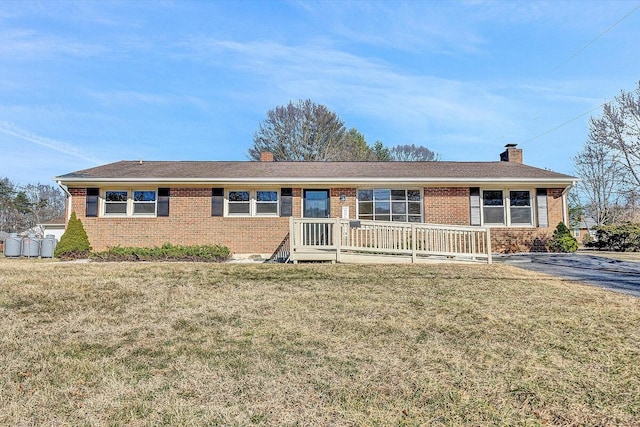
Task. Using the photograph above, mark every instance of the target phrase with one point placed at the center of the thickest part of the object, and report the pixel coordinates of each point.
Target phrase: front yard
(222, 344)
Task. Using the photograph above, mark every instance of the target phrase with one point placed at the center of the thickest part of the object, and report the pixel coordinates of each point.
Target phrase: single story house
(247, 206)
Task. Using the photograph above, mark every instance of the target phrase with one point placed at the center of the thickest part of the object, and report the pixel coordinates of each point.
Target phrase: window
(520, 207)
(115, 202)
(507, 207)
(390, 205)
(493, 207)
(252, 203)
(131, 202)
(266, 203)
(239, 203)
(144, 202)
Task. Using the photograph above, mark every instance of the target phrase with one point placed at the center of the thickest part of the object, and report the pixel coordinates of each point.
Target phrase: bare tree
(301, 131)
(600, 186)
(413, 153)
(619, 130)
(47, 202)
(23, 207)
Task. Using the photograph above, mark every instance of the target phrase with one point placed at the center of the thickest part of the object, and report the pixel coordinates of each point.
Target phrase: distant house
(53, 227)
(584, 228)
(247, 205)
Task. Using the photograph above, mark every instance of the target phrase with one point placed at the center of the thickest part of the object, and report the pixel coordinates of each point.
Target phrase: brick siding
(190, 221)
(447, 205)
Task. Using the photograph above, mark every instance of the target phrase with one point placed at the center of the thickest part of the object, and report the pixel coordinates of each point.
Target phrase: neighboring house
(246, 205)
(53, 227)
(584, 227)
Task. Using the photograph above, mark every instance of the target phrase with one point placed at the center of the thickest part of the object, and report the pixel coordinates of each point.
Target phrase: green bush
(166, 252)
(74, 243)
(588, 240)
(562, 240)
(624, 237)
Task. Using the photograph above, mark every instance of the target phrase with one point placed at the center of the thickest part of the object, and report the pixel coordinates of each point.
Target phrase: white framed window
(493, 211)
(252, 203)
(520, 212)
(144, 202)
(385, 204)
(266, 202)
(507, 207)
(116, 202)
(239, 202)
(130, 202)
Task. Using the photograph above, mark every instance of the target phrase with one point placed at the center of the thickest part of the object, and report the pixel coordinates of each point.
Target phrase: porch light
(343, 198)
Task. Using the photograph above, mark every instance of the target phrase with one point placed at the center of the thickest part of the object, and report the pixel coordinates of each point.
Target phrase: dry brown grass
(199, 344)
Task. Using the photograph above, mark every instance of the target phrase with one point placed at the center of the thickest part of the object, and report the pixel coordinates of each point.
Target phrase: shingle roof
(208, 171)
(55, 221)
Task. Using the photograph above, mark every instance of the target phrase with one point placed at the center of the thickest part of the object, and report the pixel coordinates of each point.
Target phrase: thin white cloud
(361, 84)
(127, 97)
(59, 146)
(29, 44)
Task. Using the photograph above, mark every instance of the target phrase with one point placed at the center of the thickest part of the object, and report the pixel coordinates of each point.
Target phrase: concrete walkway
(607, 273)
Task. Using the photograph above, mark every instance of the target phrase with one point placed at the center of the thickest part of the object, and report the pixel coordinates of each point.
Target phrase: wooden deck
(340, 240)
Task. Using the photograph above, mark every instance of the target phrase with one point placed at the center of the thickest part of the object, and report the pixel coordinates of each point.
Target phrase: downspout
(565, 204)
(69, 197)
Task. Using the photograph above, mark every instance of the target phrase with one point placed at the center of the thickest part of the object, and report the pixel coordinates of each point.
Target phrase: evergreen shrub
(166, 252)
(562, 240)
(74, 243)
(624, 237)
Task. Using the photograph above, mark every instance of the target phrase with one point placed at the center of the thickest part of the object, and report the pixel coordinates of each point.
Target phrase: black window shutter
(474, 201)
(163, 201)
(217, 202)
(92, 202)
(286, 201)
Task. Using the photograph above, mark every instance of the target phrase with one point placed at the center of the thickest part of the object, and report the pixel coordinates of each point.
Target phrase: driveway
(615, 275)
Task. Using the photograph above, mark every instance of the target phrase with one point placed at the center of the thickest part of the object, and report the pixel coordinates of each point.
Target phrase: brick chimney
(266, 156)
(511, 154)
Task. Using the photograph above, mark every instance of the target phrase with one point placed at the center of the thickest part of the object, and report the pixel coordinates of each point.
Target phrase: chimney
(511, 154)
(266, 156)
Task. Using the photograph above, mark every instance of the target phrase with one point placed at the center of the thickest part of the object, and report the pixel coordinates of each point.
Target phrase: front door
(316, 204)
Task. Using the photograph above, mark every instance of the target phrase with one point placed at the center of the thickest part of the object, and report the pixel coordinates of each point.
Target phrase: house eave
(289, 181)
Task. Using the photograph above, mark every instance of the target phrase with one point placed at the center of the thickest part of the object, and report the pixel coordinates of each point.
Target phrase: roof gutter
(310, 180)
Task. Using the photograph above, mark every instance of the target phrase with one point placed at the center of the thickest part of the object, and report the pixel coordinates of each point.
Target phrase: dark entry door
(316, 204)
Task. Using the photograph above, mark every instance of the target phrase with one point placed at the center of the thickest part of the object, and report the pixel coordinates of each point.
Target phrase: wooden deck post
(489, 260)
(293, 238)
(337, 237)
(414, 239)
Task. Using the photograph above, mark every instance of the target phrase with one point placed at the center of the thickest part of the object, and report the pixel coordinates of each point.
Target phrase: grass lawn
(236, 344)
(622, 256)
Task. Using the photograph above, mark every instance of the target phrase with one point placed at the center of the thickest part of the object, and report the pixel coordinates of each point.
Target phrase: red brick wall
(336, 204)
(450, 205)
(526, 239)
(447, 205)
(190, 221)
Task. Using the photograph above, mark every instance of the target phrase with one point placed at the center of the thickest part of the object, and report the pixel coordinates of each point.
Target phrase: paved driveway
(615, 275)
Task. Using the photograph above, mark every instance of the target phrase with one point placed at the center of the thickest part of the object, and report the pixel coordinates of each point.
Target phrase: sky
(84, 83)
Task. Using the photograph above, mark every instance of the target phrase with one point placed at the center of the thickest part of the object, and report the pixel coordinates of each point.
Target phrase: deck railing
(328, 239)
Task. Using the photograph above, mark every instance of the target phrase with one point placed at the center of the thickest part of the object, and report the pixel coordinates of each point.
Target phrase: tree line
(609, 163)
(24, 206)
(306, 131)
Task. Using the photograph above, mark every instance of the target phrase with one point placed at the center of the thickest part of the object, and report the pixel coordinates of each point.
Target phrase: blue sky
(91, 82)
